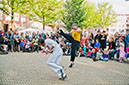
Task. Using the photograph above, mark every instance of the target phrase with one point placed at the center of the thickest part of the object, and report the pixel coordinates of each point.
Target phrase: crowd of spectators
(100, 46)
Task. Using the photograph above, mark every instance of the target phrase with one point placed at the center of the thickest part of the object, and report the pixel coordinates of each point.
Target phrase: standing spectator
(112, 48)
(37, 35)
(98, 36)
(33, 34)
(103, 40)
(16, 42)
(43, 35)
(27, 35)
(10, 41)
(22, 36)
(52, 36)
(122, 53)
(92, 44)
(47, 36)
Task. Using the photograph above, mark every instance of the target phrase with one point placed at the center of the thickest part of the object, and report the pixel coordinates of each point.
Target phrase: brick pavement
(31, 69)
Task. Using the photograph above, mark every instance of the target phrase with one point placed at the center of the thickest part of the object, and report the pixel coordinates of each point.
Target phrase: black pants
(75, 44)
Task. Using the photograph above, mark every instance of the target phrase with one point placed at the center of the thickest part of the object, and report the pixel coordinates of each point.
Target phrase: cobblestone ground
(31, 69)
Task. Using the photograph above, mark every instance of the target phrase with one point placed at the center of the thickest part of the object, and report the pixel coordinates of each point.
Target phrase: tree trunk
(12, 17)
(43, 23)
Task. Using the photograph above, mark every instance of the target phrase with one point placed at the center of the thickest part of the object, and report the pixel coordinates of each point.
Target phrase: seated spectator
(112, 48)
(69, 50)
(92, 44)
(93, 55)
(99, 54)
(3, 44)
(105, 56)
(28, 46)
(97, 45)
(122, 53)
(22, 45)
(84, 50)
(127, 54)
(35, 44)
(89, 53)
(80, 54)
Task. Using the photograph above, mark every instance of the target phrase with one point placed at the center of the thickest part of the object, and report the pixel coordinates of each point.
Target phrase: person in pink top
(127, 54)
(89, 53)
(122, 53)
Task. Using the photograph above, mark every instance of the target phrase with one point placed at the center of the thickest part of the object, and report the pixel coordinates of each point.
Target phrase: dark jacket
(10, 37)
(112, 45)
(98, 37)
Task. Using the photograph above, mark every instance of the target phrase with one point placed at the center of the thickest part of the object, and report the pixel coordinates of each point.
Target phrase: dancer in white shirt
(54, 59)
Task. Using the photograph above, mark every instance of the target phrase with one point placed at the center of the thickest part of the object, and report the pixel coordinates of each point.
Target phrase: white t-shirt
(50, 43)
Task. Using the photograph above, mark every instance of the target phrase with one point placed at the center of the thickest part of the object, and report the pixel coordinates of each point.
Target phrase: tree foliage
(107, 15)
(73, 12)
(45, 11)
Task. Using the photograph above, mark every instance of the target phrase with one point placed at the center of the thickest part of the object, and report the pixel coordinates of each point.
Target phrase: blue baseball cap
(74, 25)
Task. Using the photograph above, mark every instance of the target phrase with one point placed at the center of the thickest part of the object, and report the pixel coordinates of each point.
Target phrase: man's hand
(47, 51)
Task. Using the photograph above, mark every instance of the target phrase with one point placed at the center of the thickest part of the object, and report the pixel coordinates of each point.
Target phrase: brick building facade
(20, 21)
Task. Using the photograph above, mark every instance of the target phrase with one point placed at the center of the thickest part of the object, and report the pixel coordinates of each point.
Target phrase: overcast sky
(119, 6)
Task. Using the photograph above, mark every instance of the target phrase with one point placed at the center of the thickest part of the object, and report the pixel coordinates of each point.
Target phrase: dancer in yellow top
(74, 39)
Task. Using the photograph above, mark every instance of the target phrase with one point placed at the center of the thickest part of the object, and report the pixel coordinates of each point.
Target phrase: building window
(1, 15)
(7, 18)
(23, 18)
(16, 17)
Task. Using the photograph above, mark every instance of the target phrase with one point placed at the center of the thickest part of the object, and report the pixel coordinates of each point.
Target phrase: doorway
(5, 27)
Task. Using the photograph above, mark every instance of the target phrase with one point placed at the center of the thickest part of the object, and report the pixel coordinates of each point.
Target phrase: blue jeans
(115, 52)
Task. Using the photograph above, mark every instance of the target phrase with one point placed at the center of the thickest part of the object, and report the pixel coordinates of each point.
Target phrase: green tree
(107, 15)
(91, 15)
(73, 12)
(45, 11)
(15, 6)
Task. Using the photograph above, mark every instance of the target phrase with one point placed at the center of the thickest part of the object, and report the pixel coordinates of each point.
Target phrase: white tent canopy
(31, 30)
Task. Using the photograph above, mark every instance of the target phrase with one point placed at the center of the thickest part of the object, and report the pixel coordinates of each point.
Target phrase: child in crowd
(80, 52)
(98, 55)
(68, 51)
(97, 45)
(28, 46)
(89, 53)
(93, 55)
(105, 55)
(84, 50)
(127, 54)
(22, 45)
(87, 44)
(122, 53)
